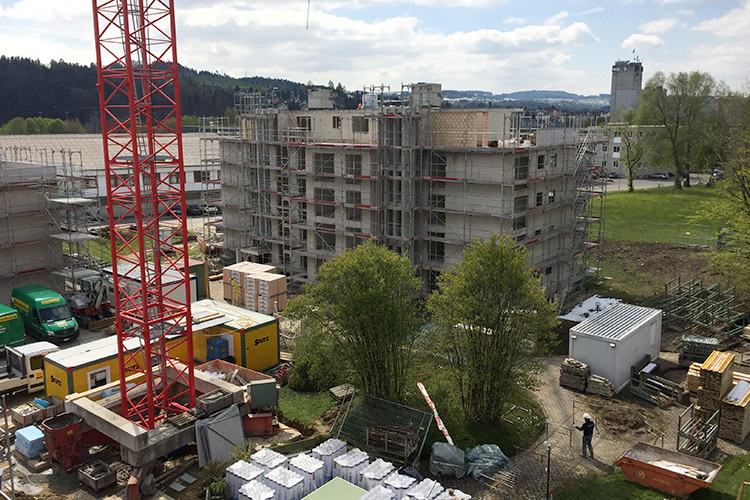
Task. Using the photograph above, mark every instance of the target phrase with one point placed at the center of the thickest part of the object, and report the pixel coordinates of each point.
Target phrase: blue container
(29, 441)
(216, 348)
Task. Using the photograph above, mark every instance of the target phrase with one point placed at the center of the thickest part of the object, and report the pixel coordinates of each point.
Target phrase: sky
(492, 45)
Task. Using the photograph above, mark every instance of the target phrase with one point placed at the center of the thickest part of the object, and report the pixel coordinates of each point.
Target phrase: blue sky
(494, 45)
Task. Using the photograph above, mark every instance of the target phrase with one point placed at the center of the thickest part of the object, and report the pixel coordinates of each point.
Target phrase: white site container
(311, 469)
(255, 490)
(348, 465)
(374, 474)
(378, 493)
(267, 460)
(240, 473)
(399, 484)
(327, 451)
(288, 485)
(616, 339)
(427, 489)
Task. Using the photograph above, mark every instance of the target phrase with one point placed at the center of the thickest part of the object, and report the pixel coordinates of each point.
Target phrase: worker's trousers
(587, 443)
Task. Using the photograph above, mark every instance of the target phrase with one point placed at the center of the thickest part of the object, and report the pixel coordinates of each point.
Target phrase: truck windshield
(56, 313)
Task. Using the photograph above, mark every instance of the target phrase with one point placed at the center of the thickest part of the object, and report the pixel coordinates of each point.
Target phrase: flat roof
(615, 323)
(221, 313)
(94, 351)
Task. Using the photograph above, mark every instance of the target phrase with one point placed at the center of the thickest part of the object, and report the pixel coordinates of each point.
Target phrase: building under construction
(300, 187)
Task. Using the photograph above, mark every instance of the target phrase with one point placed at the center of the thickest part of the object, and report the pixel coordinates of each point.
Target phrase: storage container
(288, 485)
(327, 451)
(311, 469)
(348, 465)
(374, 474)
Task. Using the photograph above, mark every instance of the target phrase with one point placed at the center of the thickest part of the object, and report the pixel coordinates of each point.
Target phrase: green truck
(11, 328)
(45, 314)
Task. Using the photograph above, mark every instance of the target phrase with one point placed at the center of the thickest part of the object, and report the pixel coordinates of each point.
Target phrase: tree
(368, 301)
(631, 145)
(679, 105)
(492, 322)
(56, 126)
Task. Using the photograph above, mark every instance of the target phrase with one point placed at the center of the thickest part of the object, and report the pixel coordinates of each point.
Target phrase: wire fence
(689, 235)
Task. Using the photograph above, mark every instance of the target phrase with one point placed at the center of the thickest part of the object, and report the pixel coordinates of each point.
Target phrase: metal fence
(689, 235)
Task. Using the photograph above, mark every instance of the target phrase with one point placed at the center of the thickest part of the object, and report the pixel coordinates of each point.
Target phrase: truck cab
(11, 328)
(45, 313)
(25, 369)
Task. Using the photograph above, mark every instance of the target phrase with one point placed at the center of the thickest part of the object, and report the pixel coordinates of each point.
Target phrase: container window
(98, 378)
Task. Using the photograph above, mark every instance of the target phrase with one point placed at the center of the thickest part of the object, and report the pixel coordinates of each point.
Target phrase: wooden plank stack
(600, 386)
(255, 286)
(735, 413)
(715, 382)
(693, 381)
(574, 374)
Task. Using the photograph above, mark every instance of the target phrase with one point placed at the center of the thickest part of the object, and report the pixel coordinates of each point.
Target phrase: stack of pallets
(693, 381)
(735, 413)
(574, 374)
(715, 383)
(601, 386)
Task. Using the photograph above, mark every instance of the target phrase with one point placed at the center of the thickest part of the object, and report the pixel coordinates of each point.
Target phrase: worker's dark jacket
(587, 428)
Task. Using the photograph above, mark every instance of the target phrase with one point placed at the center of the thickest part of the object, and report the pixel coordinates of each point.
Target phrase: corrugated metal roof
(233, 316)
(616, 322)
(89, 352)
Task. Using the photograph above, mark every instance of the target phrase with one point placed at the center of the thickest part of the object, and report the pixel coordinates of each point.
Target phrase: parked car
(615, 175)
(210, 209)
(718, 174)
(659, 175)
(193, 210)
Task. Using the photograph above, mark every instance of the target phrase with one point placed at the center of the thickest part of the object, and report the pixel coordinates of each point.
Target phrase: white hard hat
(586, 416)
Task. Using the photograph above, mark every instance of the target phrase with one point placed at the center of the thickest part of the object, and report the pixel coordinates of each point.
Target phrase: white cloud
(685, 12)
(658, 26)
(557, 18)
(638, 40)
(735, 23)
(515, 20)
(48, 10)
(594, 10)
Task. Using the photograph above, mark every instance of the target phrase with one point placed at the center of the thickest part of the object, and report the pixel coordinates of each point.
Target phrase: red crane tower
(139, 97)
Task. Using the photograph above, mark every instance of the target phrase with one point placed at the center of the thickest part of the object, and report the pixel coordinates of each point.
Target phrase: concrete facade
(300, 187)
(627, 79)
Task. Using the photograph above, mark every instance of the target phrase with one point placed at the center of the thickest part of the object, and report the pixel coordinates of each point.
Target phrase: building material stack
(715, 383)
(255, 286)
(600, 385)
(735, 413)
(574, 374)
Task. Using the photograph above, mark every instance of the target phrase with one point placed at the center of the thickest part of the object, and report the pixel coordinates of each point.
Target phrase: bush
(318, 364)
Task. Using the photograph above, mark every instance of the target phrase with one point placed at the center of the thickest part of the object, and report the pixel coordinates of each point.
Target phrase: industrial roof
(616, 323)
(92, 351)
(89, 145)
(36, 348)
(221, 313)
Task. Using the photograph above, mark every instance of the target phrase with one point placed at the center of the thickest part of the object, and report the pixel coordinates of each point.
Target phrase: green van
(11, 328)
(45, 313)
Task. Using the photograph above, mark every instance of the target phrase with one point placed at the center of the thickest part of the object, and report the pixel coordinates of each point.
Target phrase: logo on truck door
(21, 305)
(262, 339)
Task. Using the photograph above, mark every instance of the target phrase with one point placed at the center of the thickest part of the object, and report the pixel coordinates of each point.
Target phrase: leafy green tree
(631, 148)
(368, 301)
(680, 105)
(318, 364)
(492, 322)
(17, 126)
(74, 127)
(56, 126)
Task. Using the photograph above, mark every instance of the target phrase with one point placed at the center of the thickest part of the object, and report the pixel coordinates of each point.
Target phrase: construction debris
(574, 374)
(600, 386)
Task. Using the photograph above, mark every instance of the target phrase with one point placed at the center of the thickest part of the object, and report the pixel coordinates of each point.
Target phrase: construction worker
(588, 432)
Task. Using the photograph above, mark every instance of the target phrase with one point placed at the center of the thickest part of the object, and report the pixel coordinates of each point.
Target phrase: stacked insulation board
(255, 286)
(735, 413)
(715, 382)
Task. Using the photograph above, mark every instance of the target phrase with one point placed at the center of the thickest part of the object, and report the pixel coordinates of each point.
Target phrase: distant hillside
(29, 88)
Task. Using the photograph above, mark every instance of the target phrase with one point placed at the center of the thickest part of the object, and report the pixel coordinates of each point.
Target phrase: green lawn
(661, 214)
(304, 407)
(614, 487)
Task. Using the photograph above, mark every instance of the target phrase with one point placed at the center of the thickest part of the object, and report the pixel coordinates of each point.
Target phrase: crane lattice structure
(141, 125)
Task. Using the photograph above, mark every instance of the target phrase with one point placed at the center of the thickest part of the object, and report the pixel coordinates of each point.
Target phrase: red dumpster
(665, 470)
(62, 437)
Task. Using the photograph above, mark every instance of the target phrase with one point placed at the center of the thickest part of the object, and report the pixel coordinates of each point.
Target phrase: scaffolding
(300, 187)
(211, 238)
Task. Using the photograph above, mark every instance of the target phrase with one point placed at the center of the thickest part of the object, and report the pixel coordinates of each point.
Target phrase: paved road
(622, 184)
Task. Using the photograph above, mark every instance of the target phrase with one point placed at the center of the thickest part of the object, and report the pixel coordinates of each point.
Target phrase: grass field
(662, 214)
(614, 487)
(304, 407)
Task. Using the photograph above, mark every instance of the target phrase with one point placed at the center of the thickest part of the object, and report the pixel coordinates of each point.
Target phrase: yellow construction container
(252, 338)
(94, 364)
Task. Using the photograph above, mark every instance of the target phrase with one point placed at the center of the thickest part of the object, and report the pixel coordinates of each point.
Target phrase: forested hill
(67, 91)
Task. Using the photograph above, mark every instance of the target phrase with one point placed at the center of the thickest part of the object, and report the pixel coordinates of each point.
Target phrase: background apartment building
(300, 187)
